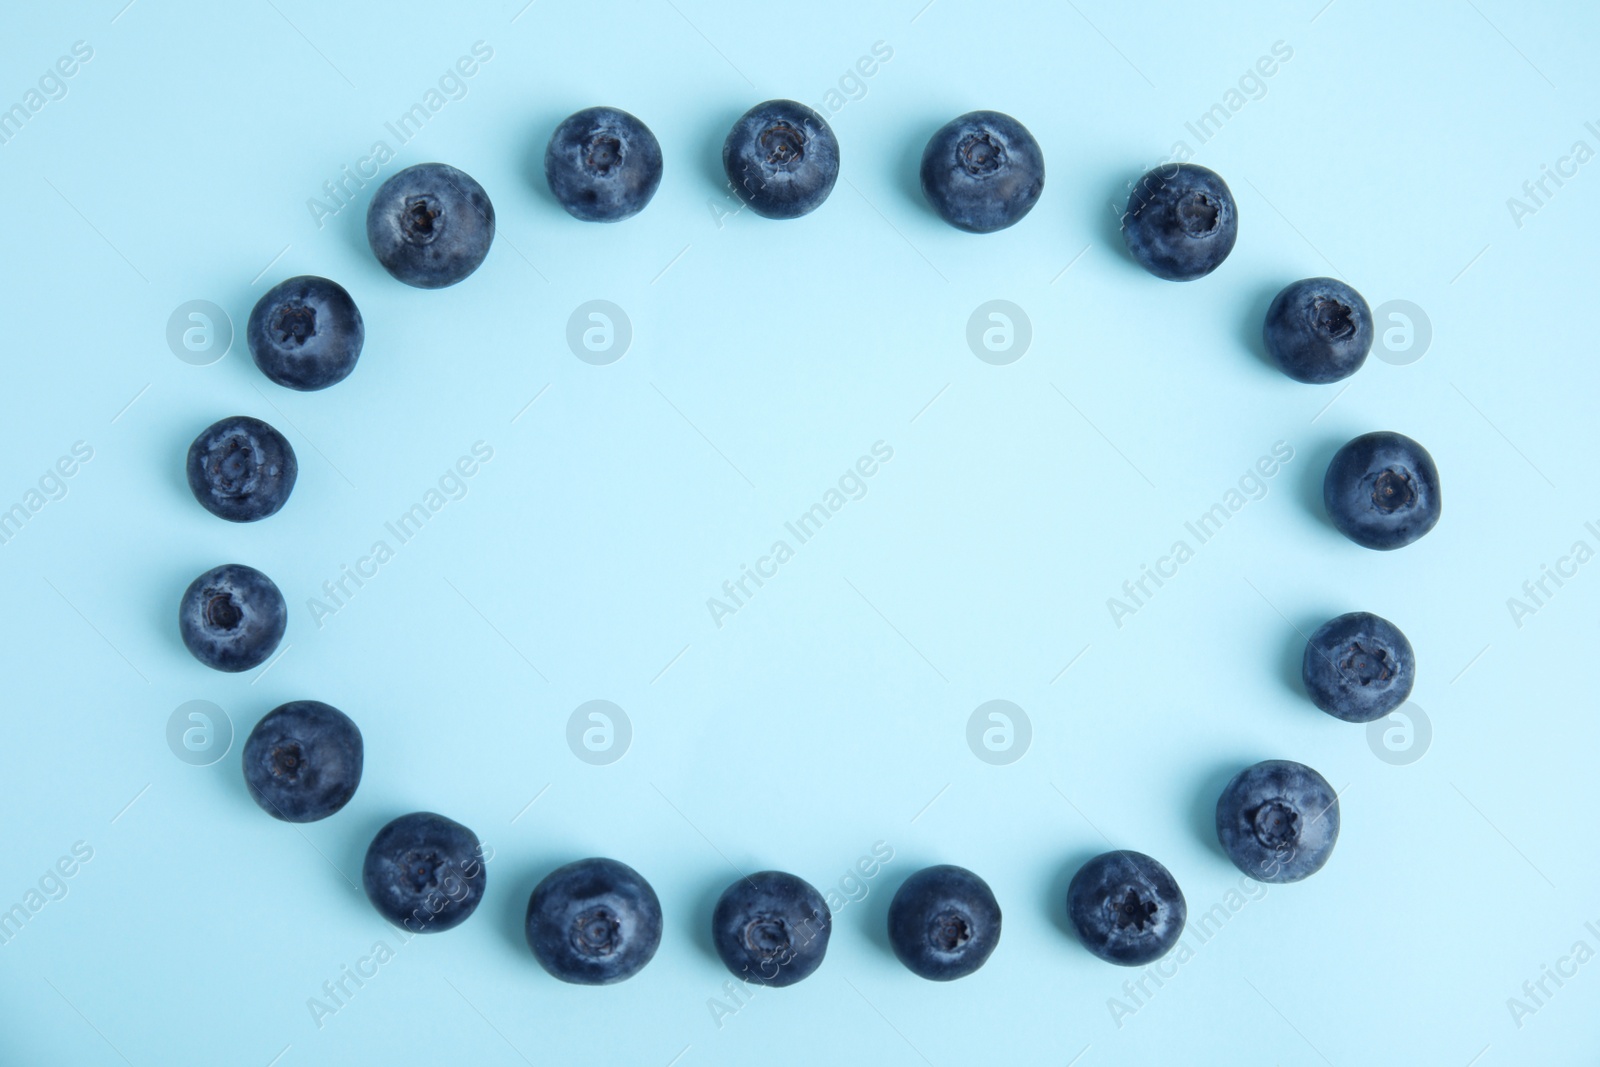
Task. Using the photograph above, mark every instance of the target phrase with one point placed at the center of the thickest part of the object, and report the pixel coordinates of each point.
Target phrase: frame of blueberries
(431, 226)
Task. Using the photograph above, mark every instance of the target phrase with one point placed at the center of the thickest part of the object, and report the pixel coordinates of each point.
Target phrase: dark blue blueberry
(771, 928)
(302, 762)
(1358, 667)
(982, 171)
(944, 922)
(1126, 908)
(594, 922)
(1181, 222)
(425, 873)
(1278, 821)
(241, 469)
(603, 164)
(306, 333)
(1382, 490)
(232, 617)
(430, 225)
(782, 159)
(1318, 330)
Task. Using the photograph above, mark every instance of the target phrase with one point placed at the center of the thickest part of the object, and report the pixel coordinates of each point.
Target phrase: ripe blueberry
(982, 171)
(594, 922)
(1181, 222)
(430, 225)
(943, 923)
(771, 928)
(1358, 667)
(1278, 821)
(241, 469)
(1126, 908)
(306, 333)
(232, 617)
(603, 165)
(782, 159)
(424, 873)
(1382, 490)
(1318, 330)
(302, 762)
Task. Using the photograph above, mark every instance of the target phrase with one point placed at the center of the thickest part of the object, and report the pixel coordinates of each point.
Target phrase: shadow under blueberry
(1293, 653)
(908, 165)
(163, 608)
(351, 857)
(1250, 331)
(228, 773)
(697, 919)
(873, 920)
(1055, 902)
(351, 223)
(237, 297)
(530, 167)
(511, 912)
(709, 160)
(175, 455)
(1313, 462)
(1110, 208)
(239, 365)
(1203, 812)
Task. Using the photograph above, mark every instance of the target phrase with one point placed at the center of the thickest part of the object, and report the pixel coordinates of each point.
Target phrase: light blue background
(829, 713)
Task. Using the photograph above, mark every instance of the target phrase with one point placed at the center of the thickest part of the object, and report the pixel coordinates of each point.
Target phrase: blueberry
(1278, 821)
(782, 159)
(771, 928)
(1318, 330)
(1181, 222)
(302, 762)
(1358, 667)
(424, 873)
(232, 617)
(306, 333)
(430, 225)
(241, 469)
(603, 164)
(594, 922)
(943, 923)
(1126, 908)
(982, 171)
(1382, 490)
